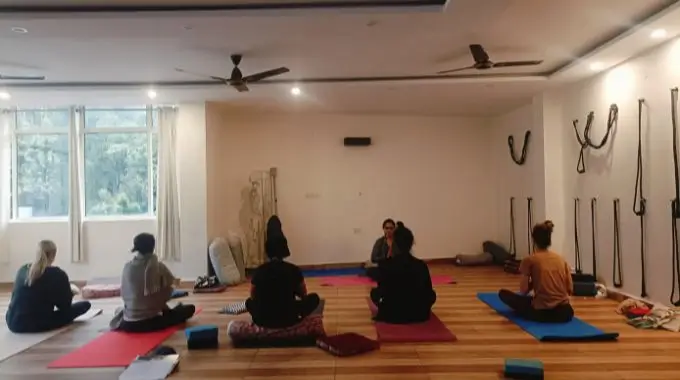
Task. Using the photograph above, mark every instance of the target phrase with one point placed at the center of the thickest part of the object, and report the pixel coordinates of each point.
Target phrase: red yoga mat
(114, 349)
(359, 280)
(431, 331)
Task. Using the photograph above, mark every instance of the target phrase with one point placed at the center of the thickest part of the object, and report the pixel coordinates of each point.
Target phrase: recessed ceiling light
(151, 94)
(19, 30)
(658, 33)
(596, 66)
(4, 95)
(295, 91)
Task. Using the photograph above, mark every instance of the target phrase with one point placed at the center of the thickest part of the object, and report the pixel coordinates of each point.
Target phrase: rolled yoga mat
(365, 281)
(431, 331)
(574, 331)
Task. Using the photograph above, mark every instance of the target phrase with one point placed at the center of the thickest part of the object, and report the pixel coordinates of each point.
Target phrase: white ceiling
(314, 44)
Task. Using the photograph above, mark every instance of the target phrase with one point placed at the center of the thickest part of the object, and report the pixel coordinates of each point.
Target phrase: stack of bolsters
(202, 337)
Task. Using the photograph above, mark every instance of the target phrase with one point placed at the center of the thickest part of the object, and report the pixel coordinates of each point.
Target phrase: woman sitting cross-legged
(42, 299)
(382, 249)
(278, 296)
(548, 275)
(146, 287)
(404, 293)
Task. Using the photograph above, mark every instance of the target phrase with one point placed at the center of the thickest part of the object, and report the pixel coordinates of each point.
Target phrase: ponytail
(44, 257)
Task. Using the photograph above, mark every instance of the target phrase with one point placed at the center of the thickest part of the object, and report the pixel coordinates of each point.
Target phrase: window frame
(15, 132)
(77, 115)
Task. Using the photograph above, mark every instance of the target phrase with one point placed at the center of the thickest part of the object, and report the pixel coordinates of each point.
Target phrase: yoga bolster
(500, 254)
(581, 277)
(585, 289)
(222, 260)
(523, 369)
(236, 247)
(248, 334)
(483, 258)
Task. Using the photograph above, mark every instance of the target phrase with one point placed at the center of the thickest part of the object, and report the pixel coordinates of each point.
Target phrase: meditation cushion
(100, 291)
(523, 369)
(483, 258)
(248, 334)
(223, 262)
(199, 337)
(347, 344)
(236, 247)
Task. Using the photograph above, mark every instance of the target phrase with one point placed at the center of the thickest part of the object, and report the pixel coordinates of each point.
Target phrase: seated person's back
(404, 293)
(551, 279)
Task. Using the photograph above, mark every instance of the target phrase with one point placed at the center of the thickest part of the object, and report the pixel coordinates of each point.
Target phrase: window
(119, 161)
(40, 163)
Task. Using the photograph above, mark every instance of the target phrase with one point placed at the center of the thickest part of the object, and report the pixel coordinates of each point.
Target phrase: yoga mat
(114, 349)
(574, 331)
(12, 344)
(332, 272)
(356, 281)
(431, 331)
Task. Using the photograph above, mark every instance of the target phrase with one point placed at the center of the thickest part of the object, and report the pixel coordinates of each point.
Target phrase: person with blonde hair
(548, 276)
(42, 299)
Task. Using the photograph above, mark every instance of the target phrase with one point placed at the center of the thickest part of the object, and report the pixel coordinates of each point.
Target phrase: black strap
(593, 224)
(530, 225)
(511, 144)
(587, 142)
(639, 202)
(675, 204)
(577, 246)
(513, 243)
(617, 272)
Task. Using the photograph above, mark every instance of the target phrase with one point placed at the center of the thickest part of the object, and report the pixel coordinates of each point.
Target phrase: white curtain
(75, 217)
(168, 217)
(5, 188)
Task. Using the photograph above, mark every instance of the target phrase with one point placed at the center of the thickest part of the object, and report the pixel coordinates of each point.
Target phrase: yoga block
(523, 369)
(585, 289)
(199, 337)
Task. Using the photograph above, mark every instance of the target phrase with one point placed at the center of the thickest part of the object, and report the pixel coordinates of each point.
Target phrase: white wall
(431, 172)
(611, 172)
(108, 243)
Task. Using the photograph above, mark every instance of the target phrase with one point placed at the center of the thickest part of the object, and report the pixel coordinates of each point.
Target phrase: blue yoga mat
(574, 331)
(333, 272)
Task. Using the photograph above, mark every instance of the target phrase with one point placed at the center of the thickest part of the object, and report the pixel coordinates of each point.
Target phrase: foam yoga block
(523, 369)
(199, 337)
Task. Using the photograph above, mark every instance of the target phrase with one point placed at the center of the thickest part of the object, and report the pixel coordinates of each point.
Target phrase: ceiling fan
(237, 80)
(21, 77)
(482, 61)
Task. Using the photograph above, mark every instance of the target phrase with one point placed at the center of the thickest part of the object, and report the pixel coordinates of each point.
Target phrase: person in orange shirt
(548, 275)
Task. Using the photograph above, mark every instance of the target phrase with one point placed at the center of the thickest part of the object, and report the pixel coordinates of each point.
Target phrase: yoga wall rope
(675, 204)
(513, 243)
(586, 142)
(530, 225)
(511, 144)
(577, 246)
(639, 202)
(617, 272)
(593, 224)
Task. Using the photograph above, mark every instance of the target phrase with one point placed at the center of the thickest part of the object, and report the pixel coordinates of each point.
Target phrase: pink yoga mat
(431, 331)
(359, 280)
(114, 349)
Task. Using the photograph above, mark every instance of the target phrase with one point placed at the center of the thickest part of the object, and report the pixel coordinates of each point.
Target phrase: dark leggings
(372, 273)
(264, 317)
(522, 306)
(175, 316)
(48, 322)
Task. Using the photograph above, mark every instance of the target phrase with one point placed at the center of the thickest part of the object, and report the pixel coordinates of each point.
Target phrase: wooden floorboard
(484, 340)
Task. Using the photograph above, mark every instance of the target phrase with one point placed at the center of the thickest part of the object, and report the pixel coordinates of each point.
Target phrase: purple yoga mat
(358, 280)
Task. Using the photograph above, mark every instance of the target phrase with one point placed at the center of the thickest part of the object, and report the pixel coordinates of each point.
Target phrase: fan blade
(479, 54)
(265, 74)
(202, 75)
(19, 77)
(240, 86)
(455, 70)
(517, 63)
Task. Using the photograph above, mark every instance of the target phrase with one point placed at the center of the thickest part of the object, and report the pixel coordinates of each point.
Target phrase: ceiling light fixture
(19, 30)
(151, 94)
(658, 34)
(295, 91)
(596, 66)
(4, 95)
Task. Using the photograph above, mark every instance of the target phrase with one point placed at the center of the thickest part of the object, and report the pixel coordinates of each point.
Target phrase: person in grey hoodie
(146, 287)
(382, 249)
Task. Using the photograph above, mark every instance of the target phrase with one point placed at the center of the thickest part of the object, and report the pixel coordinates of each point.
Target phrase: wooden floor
(484, 340)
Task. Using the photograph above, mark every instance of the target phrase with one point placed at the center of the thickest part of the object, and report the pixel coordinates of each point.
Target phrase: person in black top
(278, 296)
(42, 296)
(404, 293)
